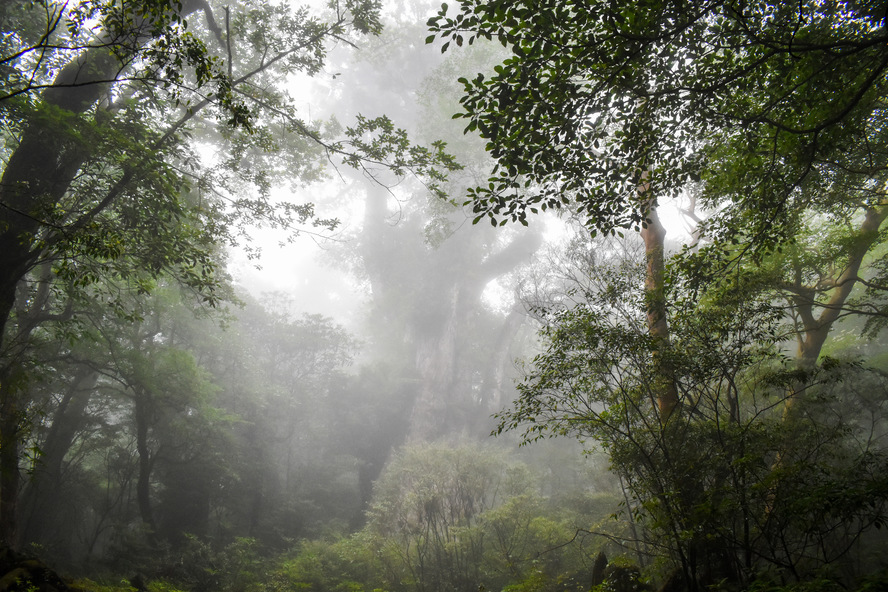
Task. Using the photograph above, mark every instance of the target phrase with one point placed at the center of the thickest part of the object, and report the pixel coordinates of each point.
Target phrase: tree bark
(654, 236)
(9, 460)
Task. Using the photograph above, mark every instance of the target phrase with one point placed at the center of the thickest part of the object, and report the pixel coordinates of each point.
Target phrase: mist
(359, 296)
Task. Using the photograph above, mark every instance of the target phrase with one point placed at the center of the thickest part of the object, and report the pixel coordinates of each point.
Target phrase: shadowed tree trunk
(142, 419)
(36, 177)
(10, 435)
(40, 502)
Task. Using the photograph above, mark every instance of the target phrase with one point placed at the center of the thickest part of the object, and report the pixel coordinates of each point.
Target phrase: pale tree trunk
(445, 398)
(495, 381)
(654, 236)
(436, 364)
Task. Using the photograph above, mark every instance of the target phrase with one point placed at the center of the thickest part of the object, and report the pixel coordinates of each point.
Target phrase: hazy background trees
(724, 390)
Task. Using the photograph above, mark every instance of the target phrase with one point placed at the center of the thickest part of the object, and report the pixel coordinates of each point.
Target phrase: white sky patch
(499, 293)
(296, 268)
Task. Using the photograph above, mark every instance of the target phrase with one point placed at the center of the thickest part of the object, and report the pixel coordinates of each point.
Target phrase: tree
(597, 96)
(122, 405)
(730, 488)
(830, 273)
(424, 268)
(611, 110)
(287, 389)
(102, 174)
(774, 111)
(459, 518)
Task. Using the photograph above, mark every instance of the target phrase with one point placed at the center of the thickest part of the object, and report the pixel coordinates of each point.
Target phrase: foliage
(465, 517)
(240, 566)
(772, 117)
(131, 184)
(139, 140)
(752, 99)
(209, 424)
(730, 485)
(346, 565)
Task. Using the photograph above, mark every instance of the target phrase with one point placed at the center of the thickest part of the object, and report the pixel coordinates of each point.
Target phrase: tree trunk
(445, 399)
(654, 236)
(28, 317)
(40, 504)
(816, 329)
(146, 460)
(495, 380)
(9, 460)
(35, 178)
(436, 364)
(42, 167)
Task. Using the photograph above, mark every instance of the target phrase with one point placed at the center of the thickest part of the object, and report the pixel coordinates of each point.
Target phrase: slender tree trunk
(654, 236)
(146, 460)
(28, 317)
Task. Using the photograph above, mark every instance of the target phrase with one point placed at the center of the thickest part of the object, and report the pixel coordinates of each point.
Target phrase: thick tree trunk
(36, 176)
(42, 167)
(436, 364)
(494, 383)
(445, 400)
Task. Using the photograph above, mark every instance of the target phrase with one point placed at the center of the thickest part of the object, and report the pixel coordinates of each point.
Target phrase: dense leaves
(595, 93)
(732, 486)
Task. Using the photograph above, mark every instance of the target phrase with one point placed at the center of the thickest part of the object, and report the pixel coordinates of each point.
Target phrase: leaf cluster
(749, 98)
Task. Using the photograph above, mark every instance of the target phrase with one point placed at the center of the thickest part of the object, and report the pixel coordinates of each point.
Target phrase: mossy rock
(26, 574)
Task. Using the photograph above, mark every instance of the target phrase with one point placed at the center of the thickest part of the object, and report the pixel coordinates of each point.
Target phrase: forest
(396, 296)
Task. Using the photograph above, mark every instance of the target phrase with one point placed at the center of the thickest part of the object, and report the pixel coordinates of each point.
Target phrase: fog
(525, 297)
